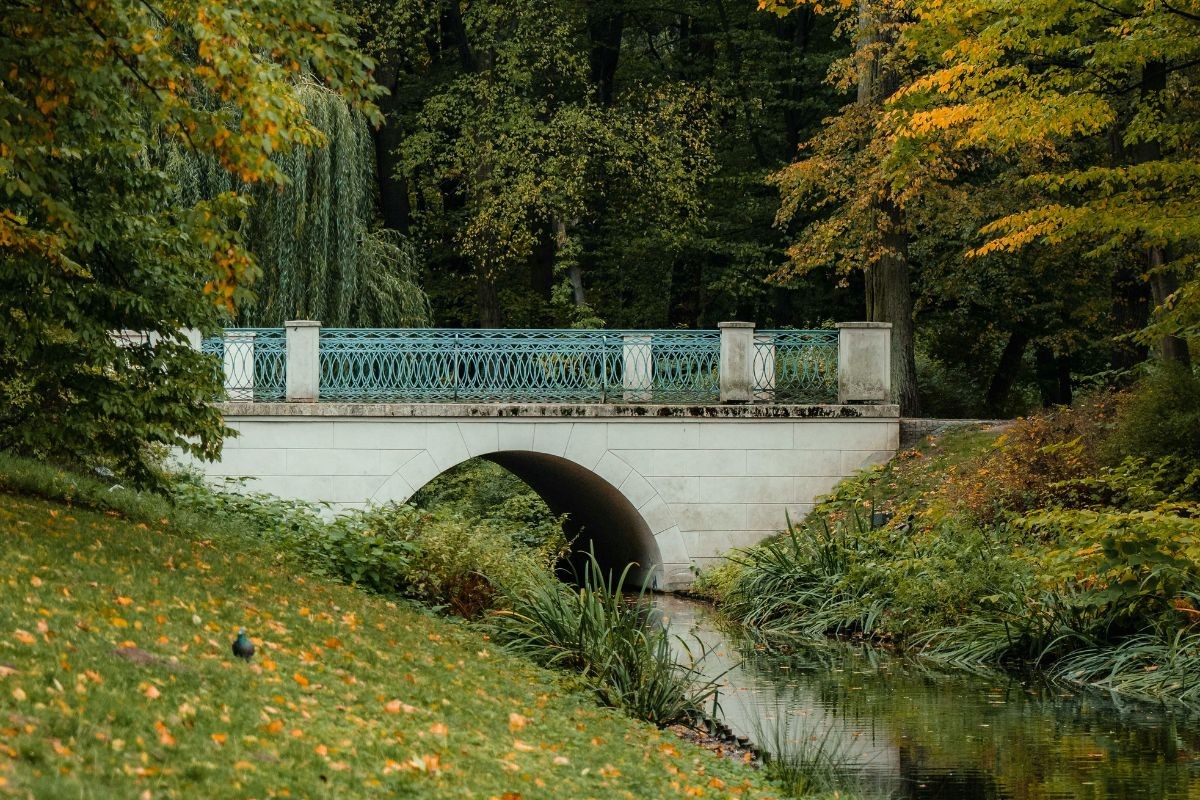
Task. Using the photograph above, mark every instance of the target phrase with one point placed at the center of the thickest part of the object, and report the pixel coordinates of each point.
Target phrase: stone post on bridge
(303, 360)
(864, 362)
(736, 367)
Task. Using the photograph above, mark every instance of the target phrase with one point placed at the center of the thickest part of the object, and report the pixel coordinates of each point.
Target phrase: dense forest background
(1017, 193)
(622, 163)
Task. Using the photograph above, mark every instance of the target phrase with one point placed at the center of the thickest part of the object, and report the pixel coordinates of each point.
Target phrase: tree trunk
(1006, 373)
(489, 301)
(605, 27)
(1131, 312)
(574, 271)
(393, 190)
(888, 281)
(1053, 374)
(1171, 349)
(889, 299)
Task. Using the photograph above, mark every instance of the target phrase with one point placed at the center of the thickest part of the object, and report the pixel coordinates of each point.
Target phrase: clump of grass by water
(598, 632)
(803, 582)
(809, 760)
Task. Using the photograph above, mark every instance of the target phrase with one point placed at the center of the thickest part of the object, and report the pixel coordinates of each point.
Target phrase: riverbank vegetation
(1065, 541)
(117, 679)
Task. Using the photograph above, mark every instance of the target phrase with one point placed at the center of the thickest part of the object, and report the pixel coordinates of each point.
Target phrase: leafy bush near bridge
(438, 557)
(1046, 543)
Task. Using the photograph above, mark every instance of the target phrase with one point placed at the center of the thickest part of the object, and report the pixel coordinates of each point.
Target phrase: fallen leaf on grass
(395, 707)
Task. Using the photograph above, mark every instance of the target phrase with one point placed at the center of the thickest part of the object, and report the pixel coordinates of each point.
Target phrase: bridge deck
(563, 410)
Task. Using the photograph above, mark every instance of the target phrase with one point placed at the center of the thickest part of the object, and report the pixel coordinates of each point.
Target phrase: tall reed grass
(603, 634)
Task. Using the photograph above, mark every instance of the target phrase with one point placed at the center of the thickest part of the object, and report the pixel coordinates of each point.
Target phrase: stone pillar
(303, 360)
(239, 365)
(763, 372)
(864, 362)
(737, 362)
(637, 371)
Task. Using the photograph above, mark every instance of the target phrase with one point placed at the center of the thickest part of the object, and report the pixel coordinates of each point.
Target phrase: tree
(507, 150)
(858, 220)
(93, 237)
(315, 237)
(1048, 80)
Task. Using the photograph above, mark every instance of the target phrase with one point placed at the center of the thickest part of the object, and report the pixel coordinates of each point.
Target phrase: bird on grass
(242, 646)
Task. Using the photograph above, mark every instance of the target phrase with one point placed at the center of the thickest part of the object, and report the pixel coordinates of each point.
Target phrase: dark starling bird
(242, 646)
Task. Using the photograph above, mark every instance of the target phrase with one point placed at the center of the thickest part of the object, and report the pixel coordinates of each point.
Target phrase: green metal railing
(572, 366)
(795, 366)
(576, 366)
(254, 361)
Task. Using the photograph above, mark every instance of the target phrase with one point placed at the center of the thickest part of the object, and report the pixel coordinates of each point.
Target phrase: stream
(902, 730)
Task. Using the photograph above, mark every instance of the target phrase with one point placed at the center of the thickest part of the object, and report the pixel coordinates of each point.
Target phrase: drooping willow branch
(321, 254)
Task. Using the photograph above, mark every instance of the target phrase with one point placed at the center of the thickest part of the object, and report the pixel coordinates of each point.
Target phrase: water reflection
(911, 732)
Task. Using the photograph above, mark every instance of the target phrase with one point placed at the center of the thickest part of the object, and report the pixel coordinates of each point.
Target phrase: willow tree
(313, 235)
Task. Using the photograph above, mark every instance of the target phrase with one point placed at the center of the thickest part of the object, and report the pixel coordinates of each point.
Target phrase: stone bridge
(664, 448)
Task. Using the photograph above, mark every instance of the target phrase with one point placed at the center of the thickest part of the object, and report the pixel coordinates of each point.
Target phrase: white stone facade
(700, 485)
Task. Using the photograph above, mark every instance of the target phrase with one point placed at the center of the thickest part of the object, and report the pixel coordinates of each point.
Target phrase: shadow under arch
(599, 515)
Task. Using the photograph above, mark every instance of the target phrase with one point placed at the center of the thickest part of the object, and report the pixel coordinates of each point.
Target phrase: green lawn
(116, 680)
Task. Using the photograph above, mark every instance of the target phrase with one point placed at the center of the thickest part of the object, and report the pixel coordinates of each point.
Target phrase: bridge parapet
(304, 362)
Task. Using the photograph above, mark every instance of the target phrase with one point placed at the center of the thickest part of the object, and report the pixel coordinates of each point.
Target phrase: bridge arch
(674, 486)
(611, 507)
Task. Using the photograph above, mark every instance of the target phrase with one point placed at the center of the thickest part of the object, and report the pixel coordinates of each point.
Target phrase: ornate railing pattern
(795, 366)
(573, 366)
(254, 361)
(579, 366)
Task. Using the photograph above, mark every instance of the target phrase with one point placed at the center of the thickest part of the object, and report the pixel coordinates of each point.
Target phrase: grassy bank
(1068, 541)
(116, 678)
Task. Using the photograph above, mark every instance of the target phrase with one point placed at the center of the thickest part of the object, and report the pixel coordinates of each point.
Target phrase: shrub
(463, 564)
(1159, 418)
(436, 557)
(606, 638)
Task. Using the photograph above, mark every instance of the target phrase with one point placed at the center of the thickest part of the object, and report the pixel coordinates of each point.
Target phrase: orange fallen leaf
(24, 637)
(300, 679)
(219, 738)
(150, 691)
(517, 721)
(124, 601)
(164, 736)
(439, 729)
(275, 726)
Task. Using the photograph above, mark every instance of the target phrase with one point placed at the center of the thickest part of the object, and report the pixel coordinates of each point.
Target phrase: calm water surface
(911, 732)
